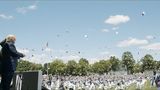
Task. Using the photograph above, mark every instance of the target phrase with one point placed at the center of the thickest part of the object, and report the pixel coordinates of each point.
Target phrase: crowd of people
(93, 82)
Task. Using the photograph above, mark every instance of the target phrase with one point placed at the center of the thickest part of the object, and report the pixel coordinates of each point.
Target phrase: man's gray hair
(10, 38)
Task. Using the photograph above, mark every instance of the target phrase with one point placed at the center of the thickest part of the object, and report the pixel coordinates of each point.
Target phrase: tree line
(83, 67)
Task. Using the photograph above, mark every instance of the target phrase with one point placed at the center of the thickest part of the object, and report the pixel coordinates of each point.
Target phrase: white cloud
(48, 49)
(70, 57)
(3, 16)
(104, 53)
(93, 60)
(24, 10)
(132, 42)
(117, 19)
(153, 46)
(115, 28)
(149, 37)
(96, 59)
(101, 56)
(25, 51)
(39, 58)
(32, 7)
(105, 30)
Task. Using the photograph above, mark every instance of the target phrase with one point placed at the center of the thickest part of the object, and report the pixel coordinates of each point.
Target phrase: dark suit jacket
(9, 56)
(1, 43)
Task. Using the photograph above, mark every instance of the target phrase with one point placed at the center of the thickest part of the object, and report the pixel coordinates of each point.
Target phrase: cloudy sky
(95, 30)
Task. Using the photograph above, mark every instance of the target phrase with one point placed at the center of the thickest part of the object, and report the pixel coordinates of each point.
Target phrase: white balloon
(85, 36)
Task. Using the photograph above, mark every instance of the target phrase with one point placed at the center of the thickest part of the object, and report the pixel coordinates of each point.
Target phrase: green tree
(83, 66)
(137, 68)
(157, 65)
(101, 67)
(71, 67)
(115, 63)
(128, 61)
(57, 67)
(24, 65)
(148, 62)
(98, 67)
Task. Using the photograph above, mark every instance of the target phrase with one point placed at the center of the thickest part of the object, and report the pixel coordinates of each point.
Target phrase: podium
(31, 80)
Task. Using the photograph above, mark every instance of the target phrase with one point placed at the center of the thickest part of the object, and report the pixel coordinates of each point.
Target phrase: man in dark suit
(1, 43)
(9, 57)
